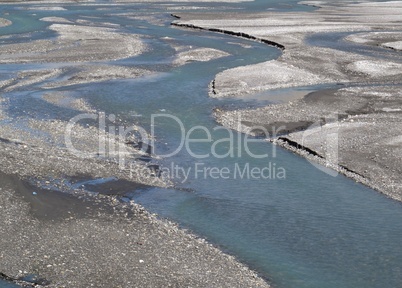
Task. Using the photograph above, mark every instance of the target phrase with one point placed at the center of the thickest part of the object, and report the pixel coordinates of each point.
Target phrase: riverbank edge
(282, 141)
(111, 209)
(228, 32)
(312, 155)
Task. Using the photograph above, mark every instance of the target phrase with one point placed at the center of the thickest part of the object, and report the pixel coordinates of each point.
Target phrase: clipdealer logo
(112, 142)
(112, 139)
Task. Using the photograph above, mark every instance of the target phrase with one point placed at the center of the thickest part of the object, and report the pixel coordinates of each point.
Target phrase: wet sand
(103, 242)
(198, 54)
(75, 43)
(365, 117)
(366, 124)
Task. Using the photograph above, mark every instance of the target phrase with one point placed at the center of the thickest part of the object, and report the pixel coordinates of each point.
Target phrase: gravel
(104, 243)
(363, 119)
(198, 54)
(302, 64)
(61, 227)
(75, 43)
